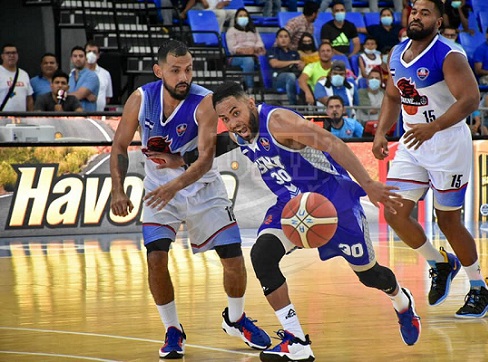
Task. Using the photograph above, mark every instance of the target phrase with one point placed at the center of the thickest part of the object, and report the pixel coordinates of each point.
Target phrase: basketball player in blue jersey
(175, 116)
(434, 86)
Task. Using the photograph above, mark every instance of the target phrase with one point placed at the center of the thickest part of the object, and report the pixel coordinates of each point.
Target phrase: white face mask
(91, 58)
(337, 80)
(369, 51)
(403, 38)
(384, 58)
(374, 83)
(243, 21)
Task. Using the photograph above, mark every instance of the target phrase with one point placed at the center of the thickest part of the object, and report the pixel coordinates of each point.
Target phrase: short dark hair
(439, 5)
(173, 47)
(8, 45)
(77, 47)
(49, 55)
(336, 2)
(227, 89)
(336, 97)
(280, 30)
(310, 7)
(91, 43)
(60, 74)
(386, 9)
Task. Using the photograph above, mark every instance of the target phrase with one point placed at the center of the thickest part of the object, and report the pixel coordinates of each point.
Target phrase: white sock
(400, 301)
(474, 275)
(236, 308)
(430, 253)
(289, 320)
(168, 315)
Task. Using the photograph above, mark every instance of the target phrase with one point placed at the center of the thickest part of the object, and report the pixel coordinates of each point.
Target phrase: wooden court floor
(87, 299)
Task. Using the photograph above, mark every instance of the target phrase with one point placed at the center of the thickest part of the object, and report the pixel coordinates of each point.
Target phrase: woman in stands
(307, 49)
(244, 41)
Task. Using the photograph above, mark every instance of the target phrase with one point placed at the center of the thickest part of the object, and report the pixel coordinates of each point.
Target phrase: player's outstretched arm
(119, 160)
(293, 131)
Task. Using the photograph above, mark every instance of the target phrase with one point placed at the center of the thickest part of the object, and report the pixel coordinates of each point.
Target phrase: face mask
(403, 38)
(340, 16)
(369, 51)
(337, 80)
(374, 84)
(91, 58)
(243, 21)
(456, 4)
(386, 20)
(384, 58)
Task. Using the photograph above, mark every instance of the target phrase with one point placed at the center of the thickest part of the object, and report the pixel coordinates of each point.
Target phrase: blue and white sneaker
(442, 275)
(290, 348)
(409, 321)
(476, 304)
(245, 329)
(174, 344)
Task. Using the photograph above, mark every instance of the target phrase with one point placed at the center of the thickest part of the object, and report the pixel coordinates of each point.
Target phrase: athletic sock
(236, 308)
(289, 320)
(430, 253)
(400, 301)
(474, 275)
(168, 315)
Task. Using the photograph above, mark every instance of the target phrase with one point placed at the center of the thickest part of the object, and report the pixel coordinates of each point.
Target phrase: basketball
(309, 220)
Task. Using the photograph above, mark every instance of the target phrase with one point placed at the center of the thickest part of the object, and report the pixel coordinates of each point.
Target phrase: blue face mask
(456, 4)
(340, 17)
(374, 84)
(386, 20)
(337, 80)
(243, 21)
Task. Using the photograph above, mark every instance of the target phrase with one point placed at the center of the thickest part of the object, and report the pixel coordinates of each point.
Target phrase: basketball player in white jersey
(175, 116)
(433, 85)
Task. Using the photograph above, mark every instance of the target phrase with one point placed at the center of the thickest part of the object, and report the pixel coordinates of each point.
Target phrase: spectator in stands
(15, 96)
(83, 82)
(397, 4)
(57, 99)
(223, 14)
(383, 68)
(456, 13)
(387, 31)
(449, 33)
(407, 8)
(193, 5)
(244, 40)
(105, 93)
(325, 4)
(340, 32)
(307, 49)
(286, 65)
(371, 97)
(402, 35)
(167, 12)
(336, 83)
(315, 71)
(303, 23)
(369, 58)
(271, 7)
(480, 60)
(474, 123)
(341, 126)
(42, 83)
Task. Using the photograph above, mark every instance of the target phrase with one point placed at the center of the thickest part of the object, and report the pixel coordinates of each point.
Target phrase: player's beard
(423, 33)
(175, 94)
(253, 125)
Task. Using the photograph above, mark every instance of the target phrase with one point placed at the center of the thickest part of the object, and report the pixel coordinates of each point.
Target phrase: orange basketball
(309, 220)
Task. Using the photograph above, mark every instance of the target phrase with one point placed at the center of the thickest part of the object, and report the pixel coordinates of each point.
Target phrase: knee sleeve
(266, 254)
(229, 251)
(378, 277)
(158, 245)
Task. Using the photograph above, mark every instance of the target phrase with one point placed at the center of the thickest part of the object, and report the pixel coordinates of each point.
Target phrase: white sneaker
(291, 348)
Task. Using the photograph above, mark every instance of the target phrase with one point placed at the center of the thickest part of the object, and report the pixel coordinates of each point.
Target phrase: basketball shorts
(208, 215)
(443, 163)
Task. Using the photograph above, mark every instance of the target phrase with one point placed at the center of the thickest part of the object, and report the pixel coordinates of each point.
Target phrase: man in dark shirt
(339, 32)
(58, 99)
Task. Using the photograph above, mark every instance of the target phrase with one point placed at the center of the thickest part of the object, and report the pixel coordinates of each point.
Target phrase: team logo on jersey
(264, 142)
(181, 129)
(148, 123)
(157, 144)
(423, 73)
(411, 98)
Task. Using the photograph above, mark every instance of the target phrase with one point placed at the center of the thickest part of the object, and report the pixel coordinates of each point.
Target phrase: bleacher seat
(268, 39)
(204, 27)
(236, 4)
(479, 5)
(362, 83)
(356, 18)
(483, 18)
(471, 42)
(354, 61)
(266, 72)
(283, 17)
(322, 18)
(372, 18)
(344, 58)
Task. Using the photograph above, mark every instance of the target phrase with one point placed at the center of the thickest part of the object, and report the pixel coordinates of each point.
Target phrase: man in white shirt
(20, 98)
(105, 93)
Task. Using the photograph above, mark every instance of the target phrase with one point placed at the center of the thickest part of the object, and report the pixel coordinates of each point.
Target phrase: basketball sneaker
(409, 321)
(174, 344)
(442, 275)
(245, 328)
(476, 304)
(291, 348)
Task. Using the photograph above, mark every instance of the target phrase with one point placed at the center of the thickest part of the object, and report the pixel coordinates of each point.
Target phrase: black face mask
(307, 47)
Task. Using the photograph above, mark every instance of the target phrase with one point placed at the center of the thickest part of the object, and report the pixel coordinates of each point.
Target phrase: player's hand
(120, 204)
(159, 198)
(380, 147)
(165, 160)
(418, 134)
(381, 193)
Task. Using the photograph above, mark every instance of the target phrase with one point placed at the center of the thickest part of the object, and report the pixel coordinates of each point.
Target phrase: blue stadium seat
(236, 4)
(479, 5)
(267, 74)
(283, 17)
(322, 18)
(397, 17)
(224, 43)
(268, 39)
(356, 18)
(344, 58)
(362, 83)
(354, 61)
(204, 27)
(471, 42)
(371, 18)
(483, 18)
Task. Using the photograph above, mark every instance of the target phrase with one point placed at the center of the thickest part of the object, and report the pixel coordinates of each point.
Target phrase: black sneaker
(442, 275)
(476, 304)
